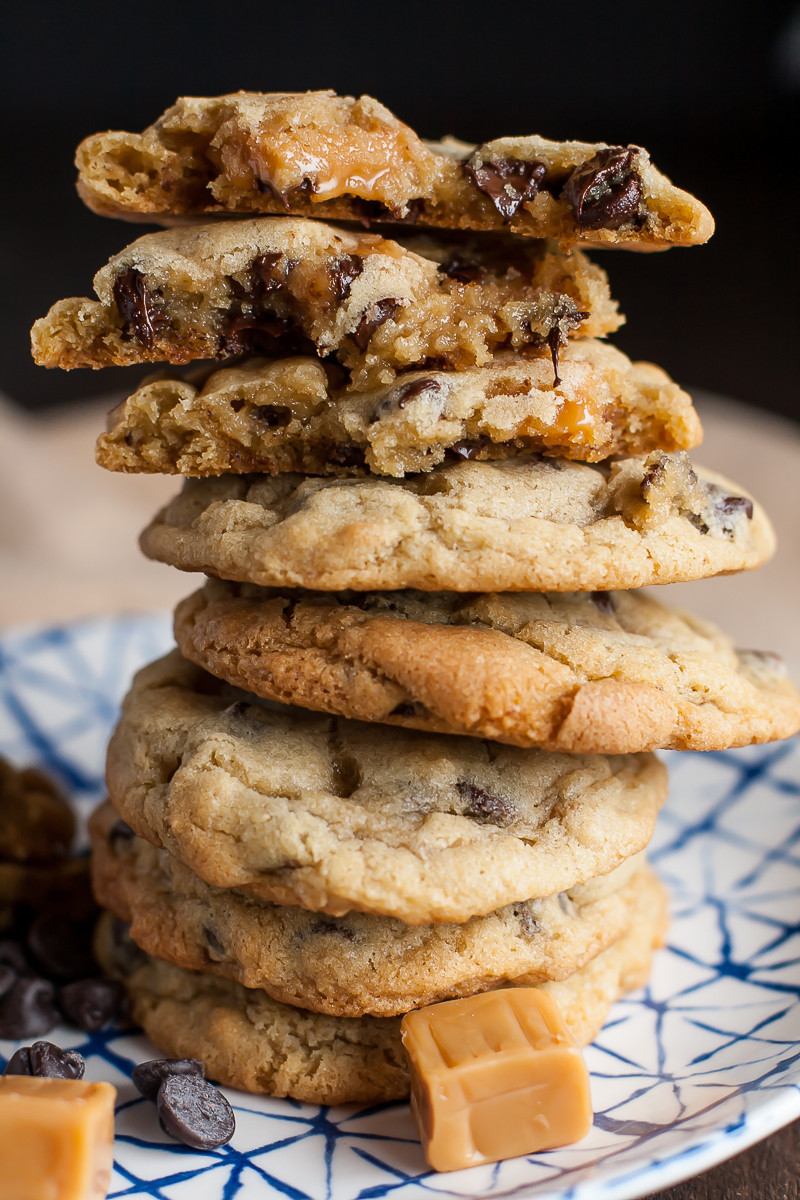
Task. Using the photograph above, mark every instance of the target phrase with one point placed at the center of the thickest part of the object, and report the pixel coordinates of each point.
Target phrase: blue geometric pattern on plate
(695, 1067)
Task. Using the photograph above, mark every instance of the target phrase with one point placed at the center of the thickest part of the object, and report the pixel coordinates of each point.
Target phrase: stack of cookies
(403, 752)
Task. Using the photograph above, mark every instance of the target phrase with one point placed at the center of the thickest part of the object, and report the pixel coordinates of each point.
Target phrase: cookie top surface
(361, 963)
(250, 1041)
(336, 816)
(512, 525)
(290, 415)
(583, 672)
(283, 285)
(319, 154)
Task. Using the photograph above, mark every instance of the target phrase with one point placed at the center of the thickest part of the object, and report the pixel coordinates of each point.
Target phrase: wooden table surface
(68, 549)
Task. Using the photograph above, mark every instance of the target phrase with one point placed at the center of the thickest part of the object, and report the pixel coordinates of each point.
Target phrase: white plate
(702, 1063)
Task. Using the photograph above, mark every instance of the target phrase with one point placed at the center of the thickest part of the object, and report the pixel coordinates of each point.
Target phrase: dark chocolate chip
(483, 806)
(508, 182)
(28, 1008)
(269, 272)
(462, 269)
(120, 831)
(604, 603)
(528, 924)
(606, 191)
(213, 940)
(734, 506)
(91, 1003)
(399, 397)
(328, 925)
(149, 1076)
(62, 947)
(195, 1112)
(341, 455)
(253, 333)
(140, 314)
(46, 1060)
(468, 448)
(373, 317)
(342, 272)
(20, 1062)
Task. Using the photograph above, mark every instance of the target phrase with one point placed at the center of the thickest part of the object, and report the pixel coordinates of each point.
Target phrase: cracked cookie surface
(289, 415)
(335, 816)
(319, 154)
(586, 673)
(354, 965)
(248, 1040)
(284, 285)
(513, 525)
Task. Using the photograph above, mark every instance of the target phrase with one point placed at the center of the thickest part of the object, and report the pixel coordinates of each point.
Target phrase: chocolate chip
(195, 1112)
(606, 191)
(253, 333)
(604, 603)
(563, 319)
(148, 1076)
(373, 317)
(46, 1060)
(120, 831)
(268, 273)
(462, 269)
(399, 397)
(328, 925)
(508, 182)
(734, 506)
(140, 314)
(483, 806)
(341, 455)
(342, 272)
(61, 947)
(468, 448)
(28, 1008)
(213, 940)
(91, 1003)
(20, 1062)
(528, 924)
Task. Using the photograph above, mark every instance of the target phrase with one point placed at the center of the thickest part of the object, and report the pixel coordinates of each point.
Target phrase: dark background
(711, 89)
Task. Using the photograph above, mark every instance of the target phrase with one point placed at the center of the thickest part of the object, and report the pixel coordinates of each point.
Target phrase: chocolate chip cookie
(583, 672)
(319, 154)
(291, 415)
(248, 1040)
(354, 965)
(335, 816)
(513, 525)
(278, 286)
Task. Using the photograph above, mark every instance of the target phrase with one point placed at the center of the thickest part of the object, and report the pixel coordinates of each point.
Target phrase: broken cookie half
(323, 155)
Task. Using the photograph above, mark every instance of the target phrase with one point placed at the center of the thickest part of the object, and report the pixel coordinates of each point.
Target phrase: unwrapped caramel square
(56, 1138)
(494, 1076)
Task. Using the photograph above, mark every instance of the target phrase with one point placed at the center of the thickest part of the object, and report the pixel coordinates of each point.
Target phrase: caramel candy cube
(494, 1076)
(56, 1138)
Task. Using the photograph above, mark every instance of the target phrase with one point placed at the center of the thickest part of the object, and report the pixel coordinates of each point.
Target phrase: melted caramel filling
(375, 161)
